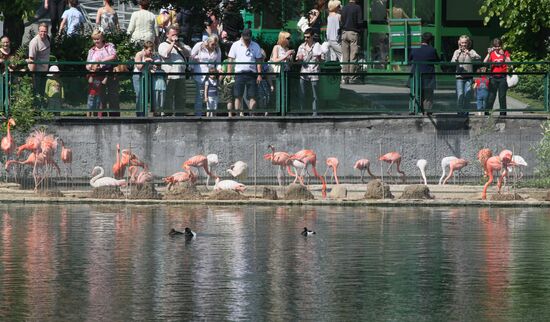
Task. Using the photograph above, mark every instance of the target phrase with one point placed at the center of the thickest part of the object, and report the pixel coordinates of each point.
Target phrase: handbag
(512, 80)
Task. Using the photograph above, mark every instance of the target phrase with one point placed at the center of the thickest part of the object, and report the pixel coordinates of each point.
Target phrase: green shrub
(24, 105)
(542, 151)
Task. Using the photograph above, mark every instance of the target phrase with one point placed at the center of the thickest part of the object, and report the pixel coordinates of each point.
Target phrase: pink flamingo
(362, 165)
(66, 157)
(8, 143)
(332, 163)
(309, 157)
(143, 177)
(124, 159)
(198, 161)
(455, 165)
(280, 159)
(391, 158)
(497, 163)
(483, 155)
(179, 177)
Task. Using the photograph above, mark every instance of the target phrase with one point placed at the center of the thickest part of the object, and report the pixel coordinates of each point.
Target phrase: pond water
(90, 262)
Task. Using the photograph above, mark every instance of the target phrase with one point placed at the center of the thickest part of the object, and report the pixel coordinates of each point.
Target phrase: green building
(445, 19)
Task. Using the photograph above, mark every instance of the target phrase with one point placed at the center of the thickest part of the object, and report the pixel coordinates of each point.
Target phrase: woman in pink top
(102, 52)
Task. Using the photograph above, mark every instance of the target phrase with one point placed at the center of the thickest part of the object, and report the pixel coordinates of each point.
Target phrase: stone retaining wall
(166, 143)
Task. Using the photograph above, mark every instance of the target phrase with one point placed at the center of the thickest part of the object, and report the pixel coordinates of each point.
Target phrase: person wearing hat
(247, 76)
(54, 89)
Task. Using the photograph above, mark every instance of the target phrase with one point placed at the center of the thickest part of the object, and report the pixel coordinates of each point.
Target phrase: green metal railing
(372, 91)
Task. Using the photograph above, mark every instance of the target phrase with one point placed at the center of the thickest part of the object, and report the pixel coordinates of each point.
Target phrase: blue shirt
(75, 20)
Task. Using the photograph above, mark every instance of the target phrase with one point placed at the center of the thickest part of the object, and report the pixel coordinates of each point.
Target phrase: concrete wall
(166, 143)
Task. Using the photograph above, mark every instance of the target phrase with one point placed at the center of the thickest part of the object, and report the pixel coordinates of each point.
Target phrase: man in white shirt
(172, 51)
(39, 50)
(309, 52)
(247, 75)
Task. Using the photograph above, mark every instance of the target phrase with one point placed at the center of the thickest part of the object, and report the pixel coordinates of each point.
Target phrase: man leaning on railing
(39, 50)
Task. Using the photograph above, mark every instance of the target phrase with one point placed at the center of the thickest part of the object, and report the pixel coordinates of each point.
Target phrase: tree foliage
(527, 23)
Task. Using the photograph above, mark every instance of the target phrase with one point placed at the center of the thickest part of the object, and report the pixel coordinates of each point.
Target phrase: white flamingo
(445, 162)
(229, 185)
(297, 164)
(212, 164)
(421, 164)
(239, 170)
(520, 163)
(101, 181)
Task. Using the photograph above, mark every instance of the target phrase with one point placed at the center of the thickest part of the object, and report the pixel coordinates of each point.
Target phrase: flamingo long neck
(324, 189)
(368, 170)
(9, 132)
(97, 177)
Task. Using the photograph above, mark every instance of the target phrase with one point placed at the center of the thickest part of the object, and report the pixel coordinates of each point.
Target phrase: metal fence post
(546, 90)
(284, 88)
(147, 90)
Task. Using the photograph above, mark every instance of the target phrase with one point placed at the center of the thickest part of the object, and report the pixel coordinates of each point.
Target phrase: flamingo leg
(487, 184)
(280, 175)
(442, 175)
(449, 176)
(335, 172)
(362, 173)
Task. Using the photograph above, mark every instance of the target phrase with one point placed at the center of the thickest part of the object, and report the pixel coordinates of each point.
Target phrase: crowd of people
(208, 39)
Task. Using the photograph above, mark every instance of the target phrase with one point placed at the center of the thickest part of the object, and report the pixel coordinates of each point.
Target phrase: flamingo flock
(41, 149)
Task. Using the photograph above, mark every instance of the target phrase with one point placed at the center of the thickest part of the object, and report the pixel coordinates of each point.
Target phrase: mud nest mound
(298, 192)
(548, 195)
(505, 197)
(269, 194)
(144, 191)
(378, 190)
(416, 191)
(108, 192)
(50, 193)
(184, 191)
(227, 195)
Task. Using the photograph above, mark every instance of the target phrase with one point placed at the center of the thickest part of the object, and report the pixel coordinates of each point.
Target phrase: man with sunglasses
(309, 53)
(248, 72)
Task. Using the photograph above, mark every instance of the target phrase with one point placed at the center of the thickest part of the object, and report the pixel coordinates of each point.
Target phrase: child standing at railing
(265, 88)
(481, 86)
(96, 84)
(211, 91)
(159, 88)
(54, 89)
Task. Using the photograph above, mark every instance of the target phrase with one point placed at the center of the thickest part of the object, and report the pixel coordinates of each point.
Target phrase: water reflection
(101, 262)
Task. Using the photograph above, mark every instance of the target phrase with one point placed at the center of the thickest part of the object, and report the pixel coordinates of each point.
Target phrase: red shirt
(482, 80)
(496, 58)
